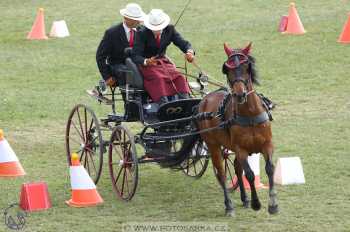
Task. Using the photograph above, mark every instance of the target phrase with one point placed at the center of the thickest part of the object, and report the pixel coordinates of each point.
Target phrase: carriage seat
(135, 79)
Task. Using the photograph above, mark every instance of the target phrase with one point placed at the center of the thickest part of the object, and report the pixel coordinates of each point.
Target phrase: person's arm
(180, 42)
(102, 54)
(139, 48)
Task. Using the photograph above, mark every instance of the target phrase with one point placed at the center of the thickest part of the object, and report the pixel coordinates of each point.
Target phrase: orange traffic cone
(257, 183)
(9, 164)
(84, 191)
(345, 35)
(294, 25)
(254, 163)
(38, 28)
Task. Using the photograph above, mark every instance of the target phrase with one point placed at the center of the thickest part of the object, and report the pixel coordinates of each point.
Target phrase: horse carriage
(167, 138)
(181, 133)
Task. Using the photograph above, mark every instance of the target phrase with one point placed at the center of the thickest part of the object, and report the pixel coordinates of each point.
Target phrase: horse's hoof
(230, 213)
(256, 205)
(273, 209)
(246, 204)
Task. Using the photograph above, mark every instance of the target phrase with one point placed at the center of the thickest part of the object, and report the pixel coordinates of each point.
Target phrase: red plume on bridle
(247, 49)
(229, 51)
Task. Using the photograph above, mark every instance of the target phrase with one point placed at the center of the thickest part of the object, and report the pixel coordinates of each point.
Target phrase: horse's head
(239, 69)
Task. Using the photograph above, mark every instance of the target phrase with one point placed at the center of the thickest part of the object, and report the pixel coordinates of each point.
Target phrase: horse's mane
(252, 70)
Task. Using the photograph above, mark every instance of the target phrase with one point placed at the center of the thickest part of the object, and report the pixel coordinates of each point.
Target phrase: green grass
(40, 81)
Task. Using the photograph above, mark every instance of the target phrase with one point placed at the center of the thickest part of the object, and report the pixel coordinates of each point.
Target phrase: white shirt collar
(160, 35)
(127, 30)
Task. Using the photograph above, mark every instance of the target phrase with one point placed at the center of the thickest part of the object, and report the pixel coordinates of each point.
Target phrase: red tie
(131, 40)
(158, 40)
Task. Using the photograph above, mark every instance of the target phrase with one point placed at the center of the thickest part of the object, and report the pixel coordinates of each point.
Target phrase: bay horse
(247, 127)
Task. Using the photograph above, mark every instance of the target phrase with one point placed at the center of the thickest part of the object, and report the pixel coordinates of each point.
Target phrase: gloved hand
(111, 82)
(151, 61)
(189, 56)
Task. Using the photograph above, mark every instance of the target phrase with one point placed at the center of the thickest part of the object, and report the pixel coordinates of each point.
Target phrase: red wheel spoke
(115, 149)
(81, 156)
(92, 123)
(81, 126)
(229, 171)
(85, 122)
(122, 192)
(92, 161)
(127, 182)
(74, 140)
(76, 128)
(116, 179)
(87, 162)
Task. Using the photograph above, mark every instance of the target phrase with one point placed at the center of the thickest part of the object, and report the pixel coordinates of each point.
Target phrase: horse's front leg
(217, 160)
(239, 174)
(269, 168)
(242, 158)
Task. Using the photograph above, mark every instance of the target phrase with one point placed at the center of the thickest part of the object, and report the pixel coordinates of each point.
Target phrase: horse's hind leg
(216, 158)
(239, 173)
(255, 203)
(269, 168)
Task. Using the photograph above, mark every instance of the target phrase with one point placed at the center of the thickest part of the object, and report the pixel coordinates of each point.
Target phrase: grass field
(308, 77)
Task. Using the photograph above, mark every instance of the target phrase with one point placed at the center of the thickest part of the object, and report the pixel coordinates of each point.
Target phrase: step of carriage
(95, 94)
(113, 118)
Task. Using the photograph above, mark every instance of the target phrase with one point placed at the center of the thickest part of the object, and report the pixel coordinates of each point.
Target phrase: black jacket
(111, 49)
(145, 45)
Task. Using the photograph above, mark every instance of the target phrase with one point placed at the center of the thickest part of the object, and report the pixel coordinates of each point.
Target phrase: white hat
(156, 20)
(133, 11)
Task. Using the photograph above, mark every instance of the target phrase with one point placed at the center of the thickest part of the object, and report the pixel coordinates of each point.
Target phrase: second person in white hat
(161, 79)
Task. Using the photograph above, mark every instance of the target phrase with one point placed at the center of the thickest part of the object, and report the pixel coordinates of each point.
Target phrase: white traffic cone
(289, 171)
(9, 163)
(59, 29)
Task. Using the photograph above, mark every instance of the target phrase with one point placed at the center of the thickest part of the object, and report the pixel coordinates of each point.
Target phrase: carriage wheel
(196, 164)
(83, 136)
(123, 165)
(231, 185)
(228, 157)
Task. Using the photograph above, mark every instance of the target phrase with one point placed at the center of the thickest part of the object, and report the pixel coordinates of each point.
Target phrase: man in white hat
(110, 56)
(161, 79)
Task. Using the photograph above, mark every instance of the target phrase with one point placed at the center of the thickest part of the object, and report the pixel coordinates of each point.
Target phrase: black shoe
(183, 95)
(163, 100)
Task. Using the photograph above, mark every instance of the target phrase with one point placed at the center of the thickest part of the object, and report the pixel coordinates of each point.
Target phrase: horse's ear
(247, 49)
(227, 49)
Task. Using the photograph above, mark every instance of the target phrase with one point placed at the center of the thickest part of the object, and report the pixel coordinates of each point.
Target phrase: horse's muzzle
(241, 98)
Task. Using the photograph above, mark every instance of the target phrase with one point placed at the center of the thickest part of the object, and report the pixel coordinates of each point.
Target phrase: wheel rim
(83, 136)
(198, 161)
(123, 164)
